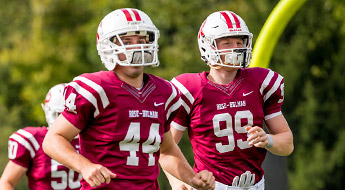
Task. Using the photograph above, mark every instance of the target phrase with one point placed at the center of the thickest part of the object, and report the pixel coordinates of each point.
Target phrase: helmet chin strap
(215, 66)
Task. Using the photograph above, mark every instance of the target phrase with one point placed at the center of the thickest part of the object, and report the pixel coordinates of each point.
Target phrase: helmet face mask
(127, 22)
(54, 103)
(224, 24)
(233, 57)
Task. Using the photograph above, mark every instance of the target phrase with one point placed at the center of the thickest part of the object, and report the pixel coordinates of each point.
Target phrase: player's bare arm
(170, 153)
(281, 136)
(177, 134)
(56, 144)
(175, 183)
(11, 176)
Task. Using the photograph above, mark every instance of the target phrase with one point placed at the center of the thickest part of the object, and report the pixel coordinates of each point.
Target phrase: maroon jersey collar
(141, 94)
(228, 88)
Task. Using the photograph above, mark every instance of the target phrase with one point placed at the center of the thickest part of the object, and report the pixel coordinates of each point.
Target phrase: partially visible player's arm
(57, 145)
(173, 162)
(280, 133)
(177, 134)
(175, 183)
(11, 176)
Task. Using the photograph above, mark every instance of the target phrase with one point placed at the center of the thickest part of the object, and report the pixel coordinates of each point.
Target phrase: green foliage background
(46, 42)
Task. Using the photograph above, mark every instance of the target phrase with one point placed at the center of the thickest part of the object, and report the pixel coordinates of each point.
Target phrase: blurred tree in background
(48, 42)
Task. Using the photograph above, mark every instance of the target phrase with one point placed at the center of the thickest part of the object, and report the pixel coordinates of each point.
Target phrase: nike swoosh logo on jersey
(246, 94)
(157, 104)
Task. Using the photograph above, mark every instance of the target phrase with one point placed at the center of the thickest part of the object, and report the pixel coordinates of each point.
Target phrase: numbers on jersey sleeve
(12, 149)
(131, 143)
(282, 93)
(229, 129)
(65, 179)
(70, 103)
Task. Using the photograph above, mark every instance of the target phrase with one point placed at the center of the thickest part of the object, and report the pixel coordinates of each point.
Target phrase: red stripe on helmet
(48, 97)
(127, 14)
(227, 19)
(238, 24)
(136, 14)
(201, 31)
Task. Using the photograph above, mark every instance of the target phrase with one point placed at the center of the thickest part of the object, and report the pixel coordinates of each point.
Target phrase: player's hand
(96, 174)
(247, 179)
(257, 137)
(203, 180)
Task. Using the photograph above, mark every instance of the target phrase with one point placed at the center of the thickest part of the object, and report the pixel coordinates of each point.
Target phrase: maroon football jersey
(216, 116)
(25, 149)
(122, 127)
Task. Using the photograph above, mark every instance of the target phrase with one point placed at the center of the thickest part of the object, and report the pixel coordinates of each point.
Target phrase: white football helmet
(127, 22)
(219, 25)
(54, 103)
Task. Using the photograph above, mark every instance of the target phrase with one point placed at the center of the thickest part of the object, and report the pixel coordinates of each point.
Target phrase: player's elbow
(288, 149)
(288, 146)
(46, 144)
(283, 146)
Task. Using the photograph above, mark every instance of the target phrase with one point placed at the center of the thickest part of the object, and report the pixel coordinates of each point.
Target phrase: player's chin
(136, 71)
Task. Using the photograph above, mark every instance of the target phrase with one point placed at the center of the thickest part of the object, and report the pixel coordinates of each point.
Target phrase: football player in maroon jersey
(27, 157)
(224, 109)
(122, 115)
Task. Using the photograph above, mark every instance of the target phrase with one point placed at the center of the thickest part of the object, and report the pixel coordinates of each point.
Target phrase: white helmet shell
(223, 24)
(54, 103)
(122, 22)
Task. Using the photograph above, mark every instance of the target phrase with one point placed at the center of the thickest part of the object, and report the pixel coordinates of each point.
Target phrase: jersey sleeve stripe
(172, 96)
(266, 81)
(98, 88)
(87, 95)
(178, 126)
(31, 138)
(184, 90)
(282, 91)
(173, 108)
(270, 116)
(186, 107)
(25, 143)
(274, 88)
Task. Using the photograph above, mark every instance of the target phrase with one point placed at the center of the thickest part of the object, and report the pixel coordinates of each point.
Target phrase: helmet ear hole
(203, 49)
(113, 39)
(151, 37)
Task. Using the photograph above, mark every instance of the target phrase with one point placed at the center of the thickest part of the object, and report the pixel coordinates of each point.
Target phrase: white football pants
(258, 186)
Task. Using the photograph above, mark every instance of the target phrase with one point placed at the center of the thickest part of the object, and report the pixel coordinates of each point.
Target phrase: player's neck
(134, 79)
(222, 76)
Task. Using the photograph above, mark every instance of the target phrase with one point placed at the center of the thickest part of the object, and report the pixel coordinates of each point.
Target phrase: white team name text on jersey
(143, 113)
(231, 105)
